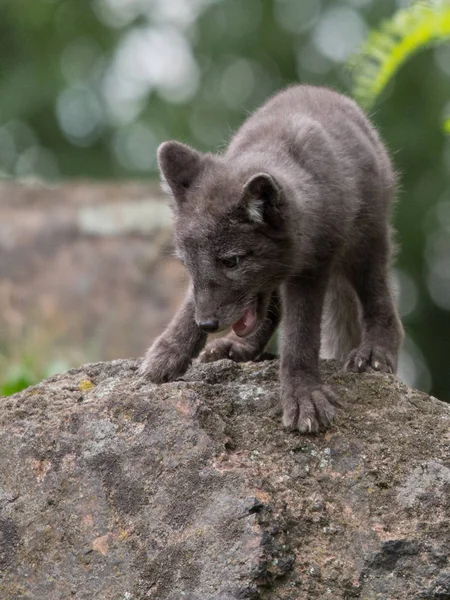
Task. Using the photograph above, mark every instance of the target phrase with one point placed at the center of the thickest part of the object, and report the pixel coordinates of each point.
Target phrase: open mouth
(247, 322)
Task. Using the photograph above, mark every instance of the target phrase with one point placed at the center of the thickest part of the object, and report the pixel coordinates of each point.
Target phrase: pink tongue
(246, 322)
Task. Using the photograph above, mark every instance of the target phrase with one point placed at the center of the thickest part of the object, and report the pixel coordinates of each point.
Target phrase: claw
(376, 357)
(306, 426)
(309, 409)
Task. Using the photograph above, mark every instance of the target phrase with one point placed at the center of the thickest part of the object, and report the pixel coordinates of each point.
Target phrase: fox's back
(291, 120)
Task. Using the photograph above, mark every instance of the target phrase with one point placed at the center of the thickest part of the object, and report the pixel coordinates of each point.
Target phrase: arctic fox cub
(291, 222)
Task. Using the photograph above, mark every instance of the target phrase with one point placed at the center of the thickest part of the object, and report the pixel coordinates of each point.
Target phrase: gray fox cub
(290, 223)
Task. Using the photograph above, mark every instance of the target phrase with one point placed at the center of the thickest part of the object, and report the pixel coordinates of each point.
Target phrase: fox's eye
(230, 262)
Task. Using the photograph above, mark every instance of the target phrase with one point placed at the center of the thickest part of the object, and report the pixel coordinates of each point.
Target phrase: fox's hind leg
(248, 348)
(341, 319)
(382, 329)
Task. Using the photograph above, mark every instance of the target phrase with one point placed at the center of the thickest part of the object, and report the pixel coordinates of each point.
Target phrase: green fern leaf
(387, 49)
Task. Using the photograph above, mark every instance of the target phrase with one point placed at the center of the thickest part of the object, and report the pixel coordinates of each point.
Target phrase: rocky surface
(116, 489)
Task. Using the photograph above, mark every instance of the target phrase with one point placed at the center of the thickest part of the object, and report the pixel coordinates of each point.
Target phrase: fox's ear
(179, 165)
(260, 199)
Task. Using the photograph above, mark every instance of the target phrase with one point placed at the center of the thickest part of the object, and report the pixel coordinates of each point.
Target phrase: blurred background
(89, 88)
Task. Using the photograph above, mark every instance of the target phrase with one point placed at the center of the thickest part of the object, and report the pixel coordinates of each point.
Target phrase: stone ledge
(114, 488)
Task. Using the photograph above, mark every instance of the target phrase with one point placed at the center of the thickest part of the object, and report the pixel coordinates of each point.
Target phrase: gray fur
(302, 199)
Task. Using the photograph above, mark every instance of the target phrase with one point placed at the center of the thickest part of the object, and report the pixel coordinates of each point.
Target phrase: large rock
(116, 489)
(80, 263)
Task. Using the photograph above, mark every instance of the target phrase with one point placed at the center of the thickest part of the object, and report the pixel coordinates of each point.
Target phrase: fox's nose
(209, 326)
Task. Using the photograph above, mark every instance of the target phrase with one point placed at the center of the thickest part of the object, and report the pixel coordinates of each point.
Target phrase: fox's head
(230, 232)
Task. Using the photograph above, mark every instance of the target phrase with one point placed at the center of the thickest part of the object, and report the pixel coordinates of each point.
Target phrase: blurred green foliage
(89, 88)
(17, 382)
(390, 45)
(24, 373)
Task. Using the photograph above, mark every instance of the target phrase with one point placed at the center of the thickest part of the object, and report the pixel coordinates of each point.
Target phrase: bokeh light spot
(339, 32)
(135, 147)
(407, 293)
(79, 115)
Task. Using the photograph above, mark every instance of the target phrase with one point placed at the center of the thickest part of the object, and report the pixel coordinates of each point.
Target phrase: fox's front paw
(237, 350)
(163, 363)
(371, 357)
(308, 408)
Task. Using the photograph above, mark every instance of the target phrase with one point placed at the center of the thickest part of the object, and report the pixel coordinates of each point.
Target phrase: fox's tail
(341, 321)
